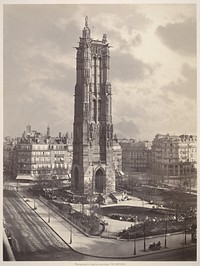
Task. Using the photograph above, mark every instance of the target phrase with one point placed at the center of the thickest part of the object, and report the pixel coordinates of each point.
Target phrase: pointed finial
(86, 21)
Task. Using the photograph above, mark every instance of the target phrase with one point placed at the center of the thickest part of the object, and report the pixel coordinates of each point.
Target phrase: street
(32, 239)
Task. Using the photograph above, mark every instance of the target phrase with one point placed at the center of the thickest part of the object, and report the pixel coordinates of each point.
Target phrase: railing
(7, 251)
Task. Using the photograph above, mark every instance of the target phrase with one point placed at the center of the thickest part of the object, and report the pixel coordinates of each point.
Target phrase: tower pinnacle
(86, 30)
(86, 21)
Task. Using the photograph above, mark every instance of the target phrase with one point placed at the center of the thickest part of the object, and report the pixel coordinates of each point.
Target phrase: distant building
(136, 156)
(8, 158)
(174, 155)
(28, 129)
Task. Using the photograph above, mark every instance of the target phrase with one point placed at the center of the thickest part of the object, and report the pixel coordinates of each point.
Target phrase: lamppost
(49, 215)
(134, 246)
(70, 240)
(165, 232)
(144, 236)
(185, 231)
(34, 207)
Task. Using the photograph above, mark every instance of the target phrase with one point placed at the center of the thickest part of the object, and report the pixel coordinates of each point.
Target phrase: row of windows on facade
(177, 141)
(42, 147)
(175, 150)
(136, 165)
(167, 155)
(132, 157)
(44, 165)
(175, 156)
(173, 159)
(41, 159)
(44, 154)
(173, 167)
(138, 153)
(161, 151)
(174, 153)
(172, 173)
(35, 172)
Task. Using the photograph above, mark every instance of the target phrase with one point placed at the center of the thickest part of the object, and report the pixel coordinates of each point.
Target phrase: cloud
(125, 67)
(180, 37)
(184, 86)
(127, 126)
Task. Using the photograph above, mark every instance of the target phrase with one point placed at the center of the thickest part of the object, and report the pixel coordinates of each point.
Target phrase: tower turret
(86, 30)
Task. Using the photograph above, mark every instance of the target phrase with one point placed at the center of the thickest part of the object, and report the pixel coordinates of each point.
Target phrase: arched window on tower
(94, 73)
(107, 107)
(99, 74)
(94, 110)
(99, 110)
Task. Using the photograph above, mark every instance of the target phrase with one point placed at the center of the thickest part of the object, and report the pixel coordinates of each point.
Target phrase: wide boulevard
(32, 238)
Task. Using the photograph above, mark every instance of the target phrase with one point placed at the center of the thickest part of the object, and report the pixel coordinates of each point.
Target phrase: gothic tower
(93, 168)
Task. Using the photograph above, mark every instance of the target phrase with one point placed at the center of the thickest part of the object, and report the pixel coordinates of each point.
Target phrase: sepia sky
(153, 66)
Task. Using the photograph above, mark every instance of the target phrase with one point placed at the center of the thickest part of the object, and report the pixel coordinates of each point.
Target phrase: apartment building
(174, 155)
(41, 156)
(135, 156)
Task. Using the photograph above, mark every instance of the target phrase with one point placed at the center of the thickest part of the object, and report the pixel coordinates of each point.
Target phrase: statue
(86, 21)
(104, 40)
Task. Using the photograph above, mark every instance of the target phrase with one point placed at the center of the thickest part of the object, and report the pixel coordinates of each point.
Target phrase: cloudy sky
(153, 66)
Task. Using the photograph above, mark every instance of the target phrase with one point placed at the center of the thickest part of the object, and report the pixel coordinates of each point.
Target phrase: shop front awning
(25, 177)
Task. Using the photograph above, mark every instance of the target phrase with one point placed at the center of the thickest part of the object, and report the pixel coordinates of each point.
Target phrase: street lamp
(49, 215)
(144, 236)
(185, 231)
(70, 241)
(34, 207)
(134, 246)
(165, 232)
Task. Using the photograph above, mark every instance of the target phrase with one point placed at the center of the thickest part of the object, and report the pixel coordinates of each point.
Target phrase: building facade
(174, 155)
(136, 156)
(42, 157)
(93, 167)
(8, 158)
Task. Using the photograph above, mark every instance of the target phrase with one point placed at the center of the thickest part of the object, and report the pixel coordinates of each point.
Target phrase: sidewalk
(97, 246)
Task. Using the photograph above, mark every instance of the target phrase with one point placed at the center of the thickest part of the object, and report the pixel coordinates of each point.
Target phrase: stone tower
(93, 168)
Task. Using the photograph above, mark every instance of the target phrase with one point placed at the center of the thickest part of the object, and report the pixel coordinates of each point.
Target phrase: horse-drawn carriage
(155, 246)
